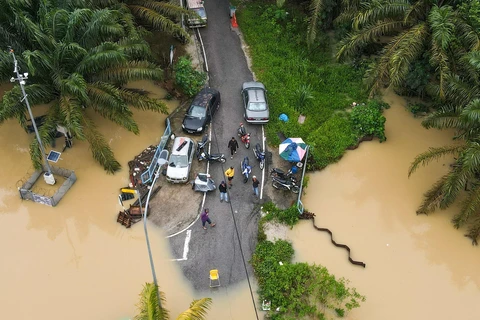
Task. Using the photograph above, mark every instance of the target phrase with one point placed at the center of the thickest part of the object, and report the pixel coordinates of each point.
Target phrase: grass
(282, 61)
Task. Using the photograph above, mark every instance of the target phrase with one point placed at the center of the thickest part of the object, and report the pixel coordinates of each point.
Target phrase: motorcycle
(281, 184)
(246, 169)
(244, 136)
(282, 175)
(201, 145)
(260, 155)
(219, 157)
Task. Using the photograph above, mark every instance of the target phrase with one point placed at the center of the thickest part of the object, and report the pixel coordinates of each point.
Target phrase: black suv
(201, 110)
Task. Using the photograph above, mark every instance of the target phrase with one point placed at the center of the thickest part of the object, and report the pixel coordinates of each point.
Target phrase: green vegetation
(188, 78)
(302, 81)
(299, 290)
(150, 309)
(79, 59)
(368, 119)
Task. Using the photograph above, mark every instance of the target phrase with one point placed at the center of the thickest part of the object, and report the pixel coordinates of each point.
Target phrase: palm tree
(152, 15)
(462, 113)
(79, 60)
(149, 308)
(414, 28)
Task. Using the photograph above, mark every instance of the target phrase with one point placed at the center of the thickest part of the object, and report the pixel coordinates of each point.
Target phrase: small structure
(26, 192)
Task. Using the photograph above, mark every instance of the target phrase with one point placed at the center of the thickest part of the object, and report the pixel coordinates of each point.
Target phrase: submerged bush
(187, 78)
(369, 120)
(299, 289)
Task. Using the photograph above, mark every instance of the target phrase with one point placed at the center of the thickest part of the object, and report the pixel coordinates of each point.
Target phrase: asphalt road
(218, 247)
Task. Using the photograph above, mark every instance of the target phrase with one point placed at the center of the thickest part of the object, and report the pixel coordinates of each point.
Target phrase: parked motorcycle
(246, 169)
(282, 175)
(244, 136)
(281, 184)
(204, 155)
(201, 145)
(260, 155)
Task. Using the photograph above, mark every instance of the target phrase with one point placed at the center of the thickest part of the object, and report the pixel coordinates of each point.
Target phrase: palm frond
(433, 154)
(148, 306)
(356, 41)
(416, 12)
(474, 231)
(161, 7)
(158, 21)
(38, 62)
(376, 11)
(459, 91)
(104, 25)
(107, 101)
(72, 116)
(141, 101)
(197, 311)
(442, 26)
(137, 49)
(470, 208)
(445, 117)
(47, 134)
(432, 197)
(75, 86)
(410, 48)
(104, 56)
(456, 181)
(99, 147)
(131, 71)
(316, 7)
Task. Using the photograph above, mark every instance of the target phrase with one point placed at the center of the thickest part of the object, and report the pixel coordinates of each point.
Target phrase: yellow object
(214, 278)
(230, 172)
(125, 190)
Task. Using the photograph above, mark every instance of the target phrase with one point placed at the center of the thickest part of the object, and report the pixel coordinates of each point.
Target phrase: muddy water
(75, 258)
(418, 267)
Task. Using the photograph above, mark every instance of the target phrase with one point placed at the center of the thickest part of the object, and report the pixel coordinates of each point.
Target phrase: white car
(180, 160)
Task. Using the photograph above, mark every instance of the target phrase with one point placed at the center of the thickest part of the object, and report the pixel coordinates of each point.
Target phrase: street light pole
(21, 80)
(144, 214)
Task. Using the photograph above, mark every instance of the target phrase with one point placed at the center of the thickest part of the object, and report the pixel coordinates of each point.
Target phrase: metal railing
(148, 174)
(300, 206)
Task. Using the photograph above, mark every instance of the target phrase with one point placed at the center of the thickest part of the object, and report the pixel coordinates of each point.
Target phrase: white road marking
(186, 247)
(263, 170)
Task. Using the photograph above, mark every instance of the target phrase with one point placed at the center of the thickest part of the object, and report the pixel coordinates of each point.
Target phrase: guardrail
(299, 200)
(148, 174)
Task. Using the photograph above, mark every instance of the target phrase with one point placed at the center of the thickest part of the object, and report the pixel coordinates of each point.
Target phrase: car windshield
(201, 12)
(257, 106)
(197, 112)
(178, 161)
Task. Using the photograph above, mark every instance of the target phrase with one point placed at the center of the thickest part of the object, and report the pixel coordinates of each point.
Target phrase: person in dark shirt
(205, 218)
(233, 146)
(255, 184)
(223, 191)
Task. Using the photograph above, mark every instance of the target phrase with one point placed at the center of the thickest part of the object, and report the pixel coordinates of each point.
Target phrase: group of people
(229, 173)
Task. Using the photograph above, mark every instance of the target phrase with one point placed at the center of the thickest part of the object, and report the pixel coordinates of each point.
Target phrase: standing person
(223, 192)
(255, 184)
(230, 173)
(205, 219)
(233, 145)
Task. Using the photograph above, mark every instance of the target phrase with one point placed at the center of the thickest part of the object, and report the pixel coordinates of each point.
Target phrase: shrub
(297, 289)
(329, 142)
(187, 78)
(369, 120)
(288, 216)
(417, 108)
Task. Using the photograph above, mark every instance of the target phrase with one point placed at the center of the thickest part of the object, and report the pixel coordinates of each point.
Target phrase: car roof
(205, 95)
(253, 84)
(177, 142)
(256, 95)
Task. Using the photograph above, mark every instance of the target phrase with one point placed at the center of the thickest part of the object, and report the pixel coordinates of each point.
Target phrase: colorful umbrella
(292, 149)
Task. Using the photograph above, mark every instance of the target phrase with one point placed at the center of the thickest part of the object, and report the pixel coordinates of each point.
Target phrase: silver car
(255, 102)
(180, 160)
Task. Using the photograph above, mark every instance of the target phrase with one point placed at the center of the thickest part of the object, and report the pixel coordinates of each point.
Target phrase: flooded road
(75, 258)
(418, 267)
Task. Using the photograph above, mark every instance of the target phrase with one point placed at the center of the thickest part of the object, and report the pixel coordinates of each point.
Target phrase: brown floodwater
(418, 267)
(75, 259)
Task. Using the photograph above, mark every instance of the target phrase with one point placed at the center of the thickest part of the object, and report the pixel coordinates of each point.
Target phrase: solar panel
(53, 156)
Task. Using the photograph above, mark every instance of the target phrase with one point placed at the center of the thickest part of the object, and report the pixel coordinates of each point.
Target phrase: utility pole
(48, 176)
(144, 214)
